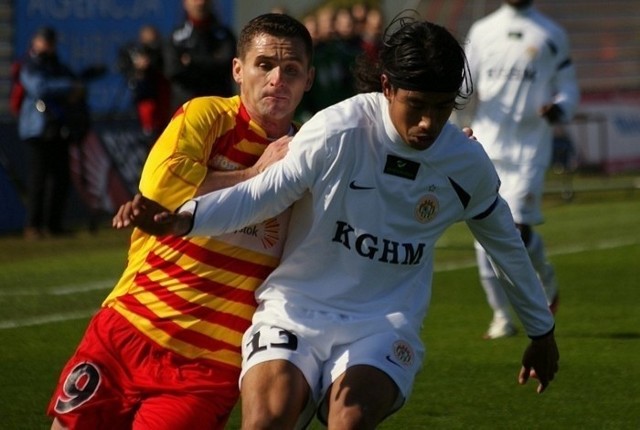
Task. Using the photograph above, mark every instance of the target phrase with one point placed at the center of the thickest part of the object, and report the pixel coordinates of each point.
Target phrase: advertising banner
(607, 134)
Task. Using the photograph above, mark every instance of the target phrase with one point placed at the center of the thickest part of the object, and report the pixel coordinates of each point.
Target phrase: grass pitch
(49, 289)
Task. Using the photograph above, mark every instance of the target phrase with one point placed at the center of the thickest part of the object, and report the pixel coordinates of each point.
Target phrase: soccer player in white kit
(524, 82)
(374, 181)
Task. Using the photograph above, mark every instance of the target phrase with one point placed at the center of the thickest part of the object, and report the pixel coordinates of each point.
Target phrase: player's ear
(386, 86)
(236, 68)
(311, 75)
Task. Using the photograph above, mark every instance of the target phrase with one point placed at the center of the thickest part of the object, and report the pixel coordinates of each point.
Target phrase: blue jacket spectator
(48, 122)
(50, 88)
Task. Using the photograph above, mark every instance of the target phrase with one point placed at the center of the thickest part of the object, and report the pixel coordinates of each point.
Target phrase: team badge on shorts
(427, 208)
(403, 353)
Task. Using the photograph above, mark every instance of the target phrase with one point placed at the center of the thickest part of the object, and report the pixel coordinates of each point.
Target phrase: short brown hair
(278, 25)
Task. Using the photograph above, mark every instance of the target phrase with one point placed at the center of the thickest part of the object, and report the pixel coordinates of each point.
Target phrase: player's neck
(276, 129)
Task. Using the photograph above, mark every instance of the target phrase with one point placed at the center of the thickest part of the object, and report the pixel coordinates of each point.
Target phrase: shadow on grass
(620, 336)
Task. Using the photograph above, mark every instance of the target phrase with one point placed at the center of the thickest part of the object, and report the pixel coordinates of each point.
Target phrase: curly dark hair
(416, 55)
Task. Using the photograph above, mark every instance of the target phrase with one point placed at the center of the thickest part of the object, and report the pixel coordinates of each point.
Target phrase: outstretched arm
(221, 211)
(140, 211)
(217, 180)
(496, 232)
(152, 218)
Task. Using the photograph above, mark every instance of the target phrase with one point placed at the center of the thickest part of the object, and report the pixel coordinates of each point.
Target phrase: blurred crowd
(340, 35)
(162, 72)
(195, 59)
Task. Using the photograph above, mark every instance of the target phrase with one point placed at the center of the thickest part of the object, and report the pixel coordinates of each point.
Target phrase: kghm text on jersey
(512, 73)
(375, 248)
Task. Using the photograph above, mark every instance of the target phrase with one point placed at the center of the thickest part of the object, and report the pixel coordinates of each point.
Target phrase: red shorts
(118, 379)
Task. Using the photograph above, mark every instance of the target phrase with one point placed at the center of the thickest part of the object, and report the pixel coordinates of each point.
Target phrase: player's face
(273, 76)
(419, 117)
(197, 9)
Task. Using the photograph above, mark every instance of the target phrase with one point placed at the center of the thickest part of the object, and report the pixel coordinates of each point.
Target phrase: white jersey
(367, 212)
(519, 61)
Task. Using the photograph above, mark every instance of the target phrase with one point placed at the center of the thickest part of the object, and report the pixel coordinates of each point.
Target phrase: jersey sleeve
(176, 165)
(492, 225)
(497, 234)
(565, 81)
(486, 183)
(269, 193)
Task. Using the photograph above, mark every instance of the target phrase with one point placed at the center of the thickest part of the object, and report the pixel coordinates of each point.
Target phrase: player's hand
(552, 113)
(151, 217)
(275, 151)
(469, 132)
(137, 212)
(540, 360)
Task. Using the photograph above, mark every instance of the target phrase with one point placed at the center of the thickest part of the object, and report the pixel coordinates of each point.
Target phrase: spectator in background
(371, 35)
(279, 9)
(142, 64)
(52, 93)
(198, 55)
(359, 13)
(525, 82)
(337, 47)
(325, 19)
(311, 23)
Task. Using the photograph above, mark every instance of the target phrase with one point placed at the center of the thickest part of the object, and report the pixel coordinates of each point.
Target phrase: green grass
(466, 383)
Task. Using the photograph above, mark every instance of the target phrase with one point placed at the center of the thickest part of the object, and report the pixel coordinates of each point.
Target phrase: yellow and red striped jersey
(195, 296)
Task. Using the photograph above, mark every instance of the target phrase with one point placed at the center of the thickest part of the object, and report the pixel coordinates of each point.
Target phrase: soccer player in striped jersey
(525, 83)
(374, 182)
(163, 352)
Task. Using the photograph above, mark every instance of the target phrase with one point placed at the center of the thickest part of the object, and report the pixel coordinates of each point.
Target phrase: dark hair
(278, 25)
(416, 55)
(47, 33)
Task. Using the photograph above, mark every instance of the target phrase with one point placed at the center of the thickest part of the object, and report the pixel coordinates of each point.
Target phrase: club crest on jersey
(403, 353)
(427, 208)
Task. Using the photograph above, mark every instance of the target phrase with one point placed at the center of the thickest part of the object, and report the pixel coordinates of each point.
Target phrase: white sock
(543, 267)
(496, 297)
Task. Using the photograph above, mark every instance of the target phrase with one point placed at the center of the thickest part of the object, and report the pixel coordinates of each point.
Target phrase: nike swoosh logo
(354, 186)
(392, 362)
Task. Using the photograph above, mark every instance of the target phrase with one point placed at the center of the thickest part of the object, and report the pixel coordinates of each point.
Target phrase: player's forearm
(247, 203)
(217, 180)
(499, 237)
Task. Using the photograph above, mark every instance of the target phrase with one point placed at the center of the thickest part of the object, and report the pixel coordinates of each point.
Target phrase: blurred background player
(525, 82)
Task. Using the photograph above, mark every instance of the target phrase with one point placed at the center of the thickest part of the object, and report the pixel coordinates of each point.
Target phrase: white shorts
(323, 345)
(522, 187)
